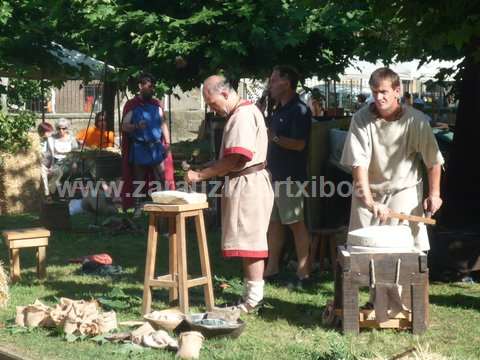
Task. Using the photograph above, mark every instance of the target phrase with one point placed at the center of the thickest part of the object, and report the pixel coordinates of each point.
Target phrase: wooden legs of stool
(41, 268)
(350, 320)
(41, 252)
(172, 260)
(177, 280)
(182, 264)
(204, 261)
(150, 263)
(14, 265)
(420, 311)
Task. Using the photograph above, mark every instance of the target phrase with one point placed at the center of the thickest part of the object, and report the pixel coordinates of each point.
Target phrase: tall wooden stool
(177, 280)
(25, 238)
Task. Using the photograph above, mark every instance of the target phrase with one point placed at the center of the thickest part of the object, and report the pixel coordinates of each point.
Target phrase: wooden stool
(177, 280)
(25, 238)
(353, 271)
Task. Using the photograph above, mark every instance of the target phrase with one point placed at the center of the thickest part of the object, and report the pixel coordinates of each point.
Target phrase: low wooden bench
(26, 238)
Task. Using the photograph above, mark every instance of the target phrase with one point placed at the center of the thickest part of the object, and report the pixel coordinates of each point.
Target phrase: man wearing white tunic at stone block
(386, 146)
(247, 196)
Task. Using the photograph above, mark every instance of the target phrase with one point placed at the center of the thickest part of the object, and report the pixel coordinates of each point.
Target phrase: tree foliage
(184, 41)
(14, 130)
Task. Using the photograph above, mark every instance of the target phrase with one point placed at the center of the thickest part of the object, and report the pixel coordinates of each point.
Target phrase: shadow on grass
(456, 301)
(75, 290)
(302, 315)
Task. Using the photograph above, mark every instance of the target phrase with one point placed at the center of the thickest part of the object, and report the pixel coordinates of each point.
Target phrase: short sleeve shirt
(294, 121)
(392, 151)
(245, 134)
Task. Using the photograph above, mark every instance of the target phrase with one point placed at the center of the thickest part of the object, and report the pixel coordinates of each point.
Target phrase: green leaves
(117, 300)
(14, 130)
(5, 12)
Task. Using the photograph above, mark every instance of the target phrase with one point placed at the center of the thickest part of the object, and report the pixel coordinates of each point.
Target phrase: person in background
(45, 131)
(407, 98)
(315, 103)
(289, 133)
(361, 101)
(64, 164)
(148, 137)
(97, 136)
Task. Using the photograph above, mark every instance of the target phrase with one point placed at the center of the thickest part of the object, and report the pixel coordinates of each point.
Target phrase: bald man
(247, 196)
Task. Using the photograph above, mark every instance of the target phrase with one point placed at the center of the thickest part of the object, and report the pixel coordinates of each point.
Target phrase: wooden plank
(182, 264)
(172, 259)
(162, 283)
(204, 260)
(402, 324)
(384, 262)
(419, 323)
(197, 282)
(369, 315)
(153, 207)
(41, 262)
(344, 259)
(423, 263)
(27, 233)
(28, 243)
(350, 322)
(426, 299)
(150, 263)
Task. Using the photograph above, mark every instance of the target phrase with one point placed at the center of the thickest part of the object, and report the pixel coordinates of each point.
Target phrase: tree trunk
(462, 195)
(108, 103)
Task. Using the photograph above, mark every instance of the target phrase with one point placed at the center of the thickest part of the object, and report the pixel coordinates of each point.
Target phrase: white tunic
(394, 153)
(247, 200)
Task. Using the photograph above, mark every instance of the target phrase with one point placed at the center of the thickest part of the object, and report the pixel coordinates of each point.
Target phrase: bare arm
(288, 143)
(363, 192)
(362, 186)
(433, 202)
(127, 125)
(218, 168)
(166, 133)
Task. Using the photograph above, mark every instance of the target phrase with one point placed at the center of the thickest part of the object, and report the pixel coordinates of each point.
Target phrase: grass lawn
(288, 328)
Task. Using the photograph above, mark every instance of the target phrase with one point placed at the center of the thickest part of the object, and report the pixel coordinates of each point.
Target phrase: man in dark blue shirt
(289, 132)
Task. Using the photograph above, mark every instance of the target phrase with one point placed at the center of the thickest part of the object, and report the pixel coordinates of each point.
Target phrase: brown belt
(249, 170)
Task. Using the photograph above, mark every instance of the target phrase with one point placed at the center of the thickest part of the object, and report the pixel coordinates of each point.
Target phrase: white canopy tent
(406, 70)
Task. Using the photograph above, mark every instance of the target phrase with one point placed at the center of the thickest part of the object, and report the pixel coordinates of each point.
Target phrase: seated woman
(97, 136)
(64, 165)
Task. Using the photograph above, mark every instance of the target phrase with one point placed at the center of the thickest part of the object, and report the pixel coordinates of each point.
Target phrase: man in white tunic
(386, 146)
(247, 196)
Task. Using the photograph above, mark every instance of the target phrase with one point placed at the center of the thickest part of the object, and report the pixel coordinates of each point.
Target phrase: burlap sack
(137, 334)
(190, 344)
(70, 325)
(162, 337)
(107, 322)
(36, 314)
(20, 317)
(89, 328)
